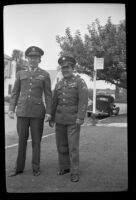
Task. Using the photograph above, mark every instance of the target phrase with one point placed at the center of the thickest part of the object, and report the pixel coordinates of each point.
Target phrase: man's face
(67, 71)
(34, 61)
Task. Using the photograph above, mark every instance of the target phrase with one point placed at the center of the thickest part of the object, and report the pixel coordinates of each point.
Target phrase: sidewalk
(103, 164)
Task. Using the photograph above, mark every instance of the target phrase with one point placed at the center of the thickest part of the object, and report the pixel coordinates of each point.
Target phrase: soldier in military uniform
(70, 101)
(27, 95)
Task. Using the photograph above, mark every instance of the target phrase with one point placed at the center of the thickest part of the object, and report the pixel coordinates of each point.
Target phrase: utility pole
(98, 64)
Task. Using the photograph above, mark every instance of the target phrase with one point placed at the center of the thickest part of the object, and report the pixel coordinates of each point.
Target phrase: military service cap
(66, 60)
(34, 51)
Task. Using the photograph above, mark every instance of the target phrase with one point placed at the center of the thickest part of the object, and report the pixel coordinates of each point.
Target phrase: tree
(17, 55)
(107, 41)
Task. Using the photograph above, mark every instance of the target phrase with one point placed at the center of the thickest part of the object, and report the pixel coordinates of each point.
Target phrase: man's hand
(51, 124)
(47, 117)
(79, 122)
(11, 114)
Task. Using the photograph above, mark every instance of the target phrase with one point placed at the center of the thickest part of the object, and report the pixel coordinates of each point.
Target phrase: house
(10, 69)
(9, 74)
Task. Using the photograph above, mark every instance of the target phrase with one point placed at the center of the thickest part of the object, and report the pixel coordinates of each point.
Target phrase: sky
(38, 25)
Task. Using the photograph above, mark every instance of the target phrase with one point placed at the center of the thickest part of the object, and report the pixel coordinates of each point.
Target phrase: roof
(7, 57)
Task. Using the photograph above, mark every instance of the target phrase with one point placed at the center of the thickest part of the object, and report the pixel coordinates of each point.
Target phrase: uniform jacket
(27, 93)
(70, 100)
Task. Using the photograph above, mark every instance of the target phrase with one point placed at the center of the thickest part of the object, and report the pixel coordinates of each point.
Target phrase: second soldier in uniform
(27, 96)
(70, 100)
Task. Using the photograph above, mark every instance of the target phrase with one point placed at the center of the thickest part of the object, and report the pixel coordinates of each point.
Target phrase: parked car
(105, 106)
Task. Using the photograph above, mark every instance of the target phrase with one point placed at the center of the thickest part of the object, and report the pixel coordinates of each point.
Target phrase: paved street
(103, 161)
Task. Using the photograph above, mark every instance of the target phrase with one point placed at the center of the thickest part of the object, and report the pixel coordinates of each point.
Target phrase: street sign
(98, 63)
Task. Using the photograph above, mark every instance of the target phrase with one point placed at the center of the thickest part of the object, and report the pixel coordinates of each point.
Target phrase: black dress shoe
(74, 177)
(36, 173)
(14, 173)
(63, 171)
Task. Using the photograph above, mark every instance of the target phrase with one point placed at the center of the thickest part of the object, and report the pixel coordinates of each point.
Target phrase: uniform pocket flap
(21, 101)
(40, 78)
(23, 77)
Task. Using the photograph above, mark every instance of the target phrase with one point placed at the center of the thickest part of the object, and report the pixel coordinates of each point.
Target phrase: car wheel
(110, 113)
(117, 112)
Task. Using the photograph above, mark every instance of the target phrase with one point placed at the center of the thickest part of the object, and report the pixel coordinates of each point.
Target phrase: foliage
(107, 41)
(120, 95)
(17, 55)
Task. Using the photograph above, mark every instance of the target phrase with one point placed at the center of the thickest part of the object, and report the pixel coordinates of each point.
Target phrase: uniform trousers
(36, 128)
(67, 142)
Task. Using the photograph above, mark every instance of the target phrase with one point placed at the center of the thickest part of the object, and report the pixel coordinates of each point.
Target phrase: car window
(102, 99)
